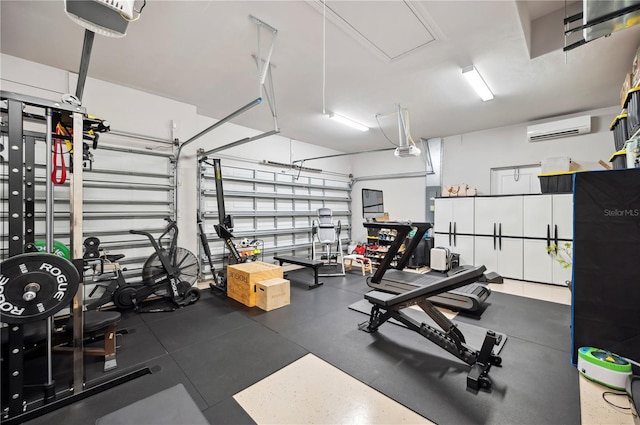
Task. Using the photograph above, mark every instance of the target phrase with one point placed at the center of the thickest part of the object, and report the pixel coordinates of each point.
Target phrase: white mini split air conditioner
(557, 129)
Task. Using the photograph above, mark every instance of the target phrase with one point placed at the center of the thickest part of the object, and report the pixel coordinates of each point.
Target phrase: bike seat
(114, 258)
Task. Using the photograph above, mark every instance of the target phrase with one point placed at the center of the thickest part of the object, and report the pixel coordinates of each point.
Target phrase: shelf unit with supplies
(378, 242)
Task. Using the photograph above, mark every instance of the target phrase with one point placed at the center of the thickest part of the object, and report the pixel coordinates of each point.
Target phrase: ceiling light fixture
(348, 122)
(105, 17)
(475, 79)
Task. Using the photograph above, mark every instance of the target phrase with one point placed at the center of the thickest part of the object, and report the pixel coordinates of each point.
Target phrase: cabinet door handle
(555, 236)
(548, 236)
(500, 236)
(449, 233)
(494, 236)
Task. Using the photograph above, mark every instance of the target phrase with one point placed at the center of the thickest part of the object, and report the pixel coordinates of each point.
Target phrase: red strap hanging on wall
(57, 152)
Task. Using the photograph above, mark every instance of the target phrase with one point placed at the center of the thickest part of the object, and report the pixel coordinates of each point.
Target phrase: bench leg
(348, 265)
(315, 278)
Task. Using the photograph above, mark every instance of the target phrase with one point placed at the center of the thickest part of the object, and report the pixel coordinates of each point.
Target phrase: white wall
(467, 158)
(404, 197)
(133, 111)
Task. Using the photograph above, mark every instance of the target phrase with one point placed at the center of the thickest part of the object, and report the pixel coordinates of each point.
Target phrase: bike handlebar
(140, 232)
(170, 224)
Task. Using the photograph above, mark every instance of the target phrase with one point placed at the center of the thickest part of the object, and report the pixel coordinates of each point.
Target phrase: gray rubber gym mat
(533, 320)
(167, 407)
(474, 335)
(233, 346)
(196, 325)
(306, 306)
(535, 385)
(88, 410)
(352, 281)
(222, 366)
(228, 411)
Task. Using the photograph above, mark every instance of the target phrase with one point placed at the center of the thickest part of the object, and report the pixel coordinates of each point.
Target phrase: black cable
(385, 134)
(300, 169)
(143, 5)
(612, 404)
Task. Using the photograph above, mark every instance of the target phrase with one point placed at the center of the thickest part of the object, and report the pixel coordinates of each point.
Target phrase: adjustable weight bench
(390, 306)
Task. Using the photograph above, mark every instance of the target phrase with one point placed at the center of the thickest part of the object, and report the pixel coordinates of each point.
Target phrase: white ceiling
(377, 54)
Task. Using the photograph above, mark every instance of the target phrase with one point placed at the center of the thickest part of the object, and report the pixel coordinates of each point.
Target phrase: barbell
(34, 286)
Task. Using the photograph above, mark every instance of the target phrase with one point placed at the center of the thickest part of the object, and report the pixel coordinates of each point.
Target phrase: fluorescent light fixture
(348, 122)
(473, 77)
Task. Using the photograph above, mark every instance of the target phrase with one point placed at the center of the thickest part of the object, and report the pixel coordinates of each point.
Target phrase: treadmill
(469, 298)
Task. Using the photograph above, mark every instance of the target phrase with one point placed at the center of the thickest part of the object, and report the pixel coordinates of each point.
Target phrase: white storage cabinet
(548, 221)
(498, 235)
(454, 226)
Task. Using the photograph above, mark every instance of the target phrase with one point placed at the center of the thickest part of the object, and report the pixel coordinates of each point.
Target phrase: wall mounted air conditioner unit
(557, 129)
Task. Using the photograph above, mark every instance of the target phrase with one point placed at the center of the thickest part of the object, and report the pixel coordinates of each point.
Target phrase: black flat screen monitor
(372, 203)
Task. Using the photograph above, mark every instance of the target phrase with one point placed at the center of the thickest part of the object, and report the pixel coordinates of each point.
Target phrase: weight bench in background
(314, 264)
(98, 326)
(390, 306)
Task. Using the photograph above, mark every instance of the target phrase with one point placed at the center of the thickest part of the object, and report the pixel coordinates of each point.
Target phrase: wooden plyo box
(242, 279)
(273, 293)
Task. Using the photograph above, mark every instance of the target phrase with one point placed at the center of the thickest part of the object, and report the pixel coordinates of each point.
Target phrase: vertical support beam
(16, 370)
(49, 387)
(222, 212)
(15, 176)
(75, 208)
(84, 63)
(49, 221)
(30, 189)
(16, 242)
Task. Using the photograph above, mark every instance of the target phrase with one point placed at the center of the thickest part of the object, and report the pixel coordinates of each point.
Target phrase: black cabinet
(421, 255)
(606, 243)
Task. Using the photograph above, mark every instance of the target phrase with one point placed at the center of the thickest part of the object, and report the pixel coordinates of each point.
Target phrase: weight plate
(91, 242)
(34, 286)
(91, 248)
(59, 249)
(124, 297)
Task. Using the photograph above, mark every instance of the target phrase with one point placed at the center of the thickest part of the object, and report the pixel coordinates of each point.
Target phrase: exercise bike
(168, 274)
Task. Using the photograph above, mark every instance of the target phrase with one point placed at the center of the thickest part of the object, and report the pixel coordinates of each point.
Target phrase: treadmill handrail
(402, 229)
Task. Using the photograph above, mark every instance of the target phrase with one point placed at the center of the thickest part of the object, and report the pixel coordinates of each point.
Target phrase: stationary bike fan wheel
(185, 265)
